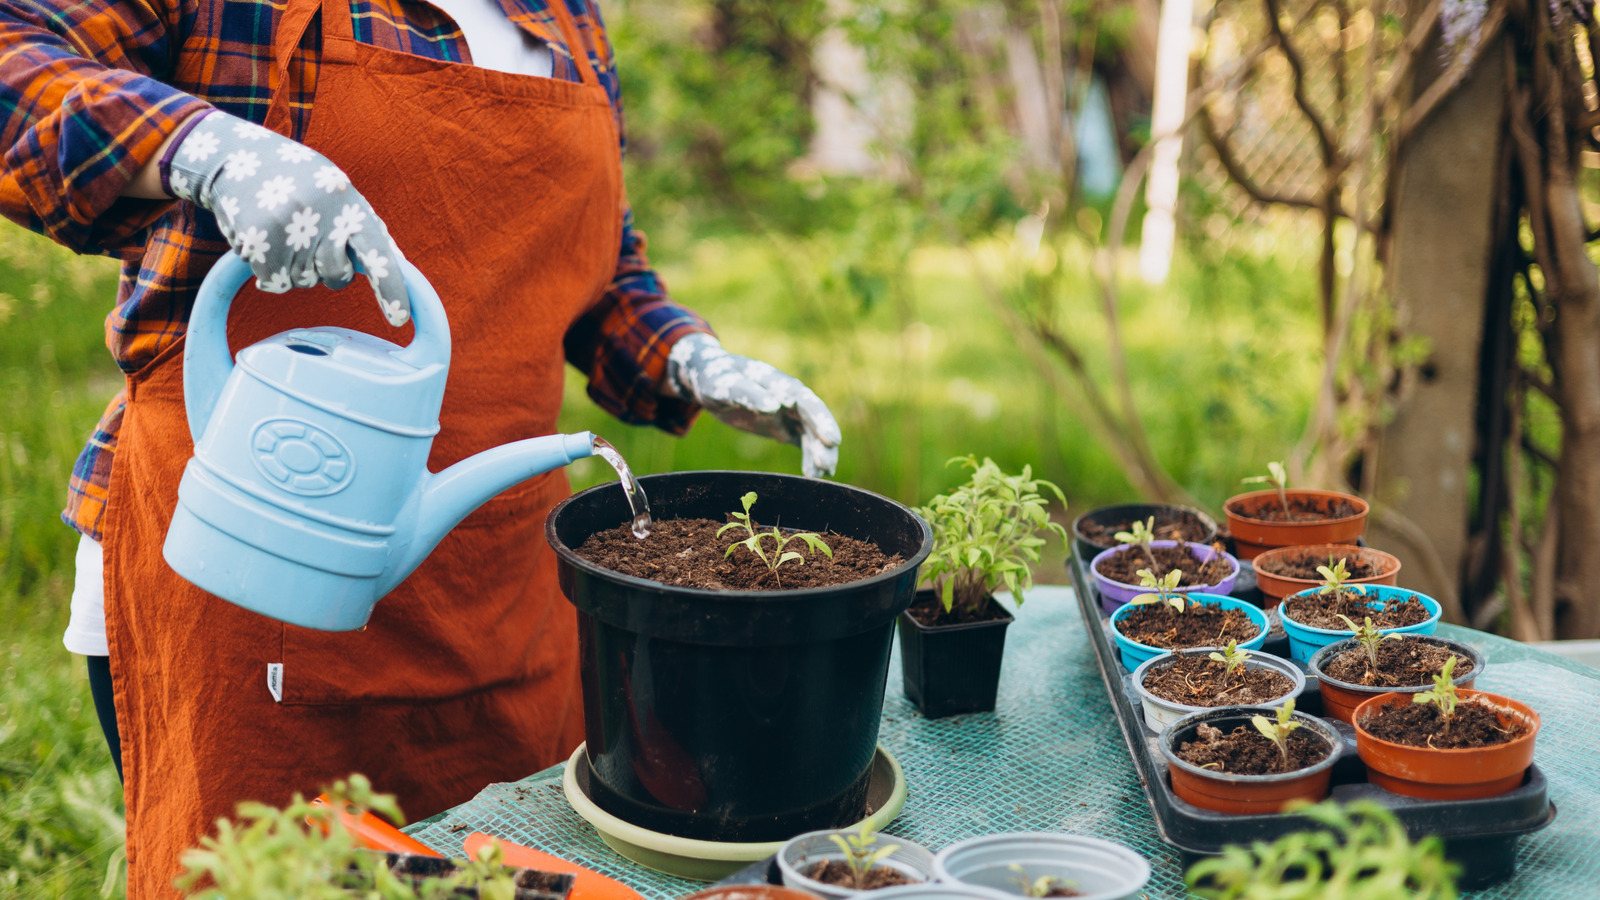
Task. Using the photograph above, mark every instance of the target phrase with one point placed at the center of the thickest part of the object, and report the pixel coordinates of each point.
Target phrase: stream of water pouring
(630, 487)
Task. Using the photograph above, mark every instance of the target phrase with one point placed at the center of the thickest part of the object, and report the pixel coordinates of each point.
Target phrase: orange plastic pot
(1252, 535)
(1463, 774)
(1340, 699)
(1277, 587)
(1246, 794)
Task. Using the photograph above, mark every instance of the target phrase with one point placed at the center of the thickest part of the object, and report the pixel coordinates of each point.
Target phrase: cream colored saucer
(713, 860)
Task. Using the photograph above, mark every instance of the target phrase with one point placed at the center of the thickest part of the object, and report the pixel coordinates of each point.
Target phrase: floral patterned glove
(286, 209)
(755, 397)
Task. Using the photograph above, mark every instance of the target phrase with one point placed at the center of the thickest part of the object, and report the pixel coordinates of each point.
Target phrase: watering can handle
(207, 361)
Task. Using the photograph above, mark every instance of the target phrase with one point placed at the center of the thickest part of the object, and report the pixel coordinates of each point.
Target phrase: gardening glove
(286, 210)
(753, 396)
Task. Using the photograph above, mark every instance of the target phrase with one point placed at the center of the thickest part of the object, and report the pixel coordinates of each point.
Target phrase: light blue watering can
(308, 497)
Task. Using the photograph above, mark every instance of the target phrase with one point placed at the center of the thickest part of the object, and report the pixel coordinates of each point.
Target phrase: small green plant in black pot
(986, 533)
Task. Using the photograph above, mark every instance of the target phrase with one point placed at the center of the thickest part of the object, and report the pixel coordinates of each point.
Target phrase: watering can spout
(449, 496)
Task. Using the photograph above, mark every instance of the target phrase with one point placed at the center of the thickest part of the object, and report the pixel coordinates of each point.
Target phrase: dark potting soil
(836, 871)
(1124, 566)
(932, 613)
(688, 553)
(1171, 525)
(1161, 625)
(1246, 751)
(1323, 610)
(1402, 662)
(1304, 565)
(1195, 679)
(1421, 725)
(1301, 509)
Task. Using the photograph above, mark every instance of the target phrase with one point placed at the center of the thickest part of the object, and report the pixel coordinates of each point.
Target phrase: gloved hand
(286, 209)
(755, 397)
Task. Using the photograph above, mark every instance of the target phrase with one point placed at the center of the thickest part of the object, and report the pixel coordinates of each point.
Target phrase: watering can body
(308, 497)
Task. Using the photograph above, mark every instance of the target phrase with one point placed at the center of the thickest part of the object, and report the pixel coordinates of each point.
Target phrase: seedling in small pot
(1231, 658)
(780, 540)
(1370, 638)
(1140, 535)
(1278, 732)
(862, 852)
(1278, 478)
(1044, 885)
(1334, 575)
(1165, 590)
(1443, 693)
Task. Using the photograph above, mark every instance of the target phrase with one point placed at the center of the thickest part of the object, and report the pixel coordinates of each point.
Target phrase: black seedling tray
(1479, 835)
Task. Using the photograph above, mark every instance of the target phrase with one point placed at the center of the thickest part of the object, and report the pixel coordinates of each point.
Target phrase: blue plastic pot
(1305, 640)
(1133, 654)
(1115, 593)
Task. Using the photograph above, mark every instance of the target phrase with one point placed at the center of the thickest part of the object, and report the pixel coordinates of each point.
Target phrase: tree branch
(1297, 68)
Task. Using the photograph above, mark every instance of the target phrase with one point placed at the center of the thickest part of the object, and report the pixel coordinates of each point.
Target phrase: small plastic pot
(1340, 698)
(936, 891)
(1159, 712)
(1115, 593)
(1133, 654)
(1463, 774)
(1128, 512)
(1098, 869)
(800, 853)
(1251, 535)
(1246, 794)
(1305, 640)
(1277, 587)
(951, 669)
(749, 892)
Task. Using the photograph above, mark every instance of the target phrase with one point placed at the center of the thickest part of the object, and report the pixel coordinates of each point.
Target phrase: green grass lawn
(1223, 358)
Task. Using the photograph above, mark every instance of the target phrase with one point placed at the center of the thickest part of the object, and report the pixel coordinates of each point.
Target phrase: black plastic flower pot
(735, 716)
(951, 669)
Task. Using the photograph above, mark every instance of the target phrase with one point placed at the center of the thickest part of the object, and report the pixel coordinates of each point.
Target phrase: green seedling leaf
(1231, 657)
(1278, 732)
(1278, 477)
(1369, 637)
(1443, 693)
(779, 540)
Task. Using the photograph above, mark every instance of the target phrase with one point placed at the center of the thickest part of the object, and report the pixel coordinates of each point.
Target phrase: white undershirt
(495, 43)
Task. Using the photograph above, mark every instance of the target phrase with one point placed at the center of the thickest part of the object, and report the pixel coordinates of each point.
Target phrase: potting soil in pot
(1422, 725)
(836, 871)
(1302, 509)
(1318, 610)
(1170, 526)
(688, 553)
(1401, 663)
(1196, 680)
(1304, 565)
(1246, 751)
(932, 612)
(1125, 566)
(1160, 625)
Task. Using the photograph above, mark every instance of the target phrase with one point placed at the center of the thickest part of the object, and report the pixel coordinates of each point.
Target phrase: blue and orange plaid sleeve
(81, 112)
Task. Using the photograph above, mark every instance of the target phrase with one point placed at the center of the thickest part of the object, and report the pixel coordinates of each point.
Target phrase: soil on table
(1171, 525)
(1194, 679)
(1304, 565)
(931, 612)
(1246, 751)
(1403, 662)
(1160, 625)
(1421, 725)
(1318, 610)
(1124, 566)
(1301, 509)
(688, 553)
(1059, 891)
(836, 871)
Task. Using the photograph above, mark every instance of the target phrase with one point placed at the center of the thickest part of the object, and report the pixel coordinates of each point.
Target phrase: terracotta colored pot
(1252, 535)
(1277, 587)
(1340, 698)
(1447, 774)
(1246, 794)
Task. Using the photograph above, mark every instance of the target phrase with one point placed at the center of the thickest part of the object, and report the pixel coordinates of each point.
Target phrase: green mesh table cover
(1051, 758)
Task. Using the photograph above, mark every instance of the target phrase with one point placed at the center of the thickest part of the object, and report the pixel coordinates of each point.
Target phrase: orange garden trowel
(588, 884)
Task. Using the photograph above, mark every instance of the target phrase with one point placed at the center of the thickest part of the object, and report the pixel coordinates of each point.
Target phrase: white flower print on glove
(287, 210)
(753, 396)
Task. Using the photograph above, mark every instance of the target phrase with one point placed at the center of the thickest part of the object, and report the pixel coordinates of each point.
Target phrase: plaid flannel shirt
(89, 89)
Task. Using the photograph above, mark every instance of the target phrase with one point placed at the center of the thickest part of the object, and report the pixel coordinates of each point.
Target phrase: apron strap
(575, 49)
(338, 46)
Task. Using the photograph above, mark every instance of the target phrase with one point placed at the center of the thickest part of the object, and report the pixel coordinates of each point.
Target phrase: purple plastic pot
(1113, 594)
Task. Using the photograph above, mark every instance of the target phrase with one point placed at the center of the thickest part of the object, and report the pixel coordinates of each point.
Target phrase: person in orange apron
(505, 189)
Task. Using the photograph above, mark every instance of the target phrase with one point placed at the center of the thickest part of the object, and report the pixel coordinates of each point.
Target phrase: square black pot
(951, 669)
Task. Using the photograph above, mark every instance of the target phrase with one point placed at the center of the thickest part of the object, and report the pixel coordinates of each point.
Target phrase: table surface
(1051, 758)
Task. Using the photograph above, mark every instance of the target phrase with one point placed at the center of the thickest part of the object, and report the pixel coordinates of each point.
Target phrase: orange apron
(506, 191)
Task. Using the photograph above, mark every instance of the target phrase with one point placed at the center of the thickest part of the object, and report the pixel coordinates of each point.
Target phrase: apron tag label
(275, 681)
